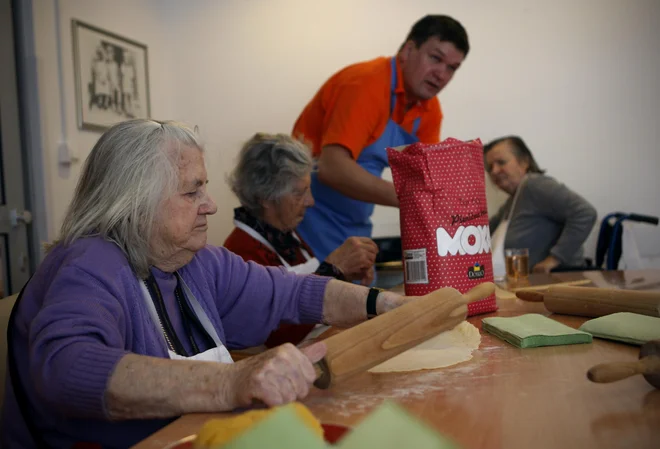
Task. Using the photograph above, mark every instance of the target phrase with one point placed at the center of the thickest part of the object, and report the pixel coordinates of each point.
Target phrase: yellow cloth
(217, 432)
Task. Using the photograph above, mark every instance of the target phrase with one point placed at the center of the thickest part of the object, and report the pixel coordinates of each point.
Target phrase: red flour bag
(444, 218)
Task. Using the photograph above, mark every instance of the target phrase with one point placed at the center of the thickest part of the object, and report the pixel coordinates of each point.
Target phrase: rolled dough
(448, 348)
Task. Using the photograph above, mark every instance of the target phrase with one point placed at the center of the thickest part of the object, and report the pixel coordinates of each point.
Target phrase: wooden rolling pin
(648, 365)
(595, 302)
(370, 343)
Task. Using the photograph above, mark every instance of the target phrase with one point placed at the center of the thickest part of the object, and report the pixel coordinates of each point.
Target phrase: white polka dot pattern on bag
(442, 186)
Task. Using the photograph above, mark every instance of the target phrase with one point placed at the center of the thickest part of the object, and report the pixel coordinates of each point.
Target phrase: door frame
(31, 135)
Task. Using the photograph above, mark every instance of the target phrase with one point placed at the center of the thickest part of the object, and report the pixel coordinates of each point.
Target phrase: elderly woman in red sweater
(272, 182)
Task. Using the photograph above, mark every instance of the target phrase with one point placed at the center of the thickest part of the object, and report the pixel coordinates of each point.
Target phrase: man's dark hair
(443, 27)
(520, 151)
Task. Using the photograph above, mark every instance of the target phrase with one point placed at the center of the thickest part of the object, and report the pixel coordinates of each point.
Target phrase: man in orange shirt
(359, 112)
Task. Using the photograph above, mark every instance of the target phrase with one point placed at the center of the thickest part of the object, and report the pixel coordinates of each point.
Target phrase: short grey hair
(132, 168)
(268, 167)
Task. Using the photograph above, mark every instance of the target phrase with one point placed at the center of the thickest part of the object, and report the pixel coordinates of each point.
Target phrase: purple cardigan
(82, 311)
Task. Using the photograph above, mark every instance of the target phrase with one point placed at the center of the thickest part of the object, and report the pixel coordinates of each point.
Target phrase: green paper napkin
(392, 427)
(627, 327)
(533, 330)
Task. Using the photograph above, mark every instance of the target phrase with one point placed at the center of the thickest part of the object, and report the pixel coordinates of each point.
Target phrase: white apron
(497, 240)
(217, 354)
(309, 267)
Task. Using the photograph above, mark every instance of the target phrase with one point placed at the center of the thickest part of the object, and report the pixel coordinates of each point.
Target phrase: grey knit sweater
(548, 218)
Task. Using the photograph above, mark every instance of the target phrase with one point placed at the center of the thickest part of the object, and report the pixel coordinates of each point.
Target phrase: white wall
(138, 20)
(577, 80)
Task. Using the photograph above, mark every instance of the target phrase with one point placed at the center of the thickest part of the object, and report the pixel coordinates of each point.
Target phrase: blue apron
(335, 217)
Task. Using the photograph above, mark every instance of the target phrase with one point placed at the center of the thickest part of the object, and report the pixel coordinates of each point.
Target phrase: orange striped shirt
(352, 109)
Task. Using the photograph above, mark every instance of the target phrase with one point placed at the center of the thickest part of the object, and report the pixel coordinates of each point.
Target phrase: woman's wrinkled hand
(368, 277)
(354, 258)
(278, 376)
(546, 265)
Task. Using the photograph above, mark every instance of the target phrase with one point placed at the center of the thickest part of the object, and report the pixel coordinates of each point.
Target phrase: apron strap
(393, 83)
(515, 197)
(304, 252)
(259, 238)
(170, 335)
(393, 86)
(187, 317)
(192, 316)
(416, 126)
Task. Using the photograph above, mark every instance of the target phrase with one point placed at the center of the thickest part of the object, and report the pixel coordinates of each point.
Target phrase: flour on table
(448, 348)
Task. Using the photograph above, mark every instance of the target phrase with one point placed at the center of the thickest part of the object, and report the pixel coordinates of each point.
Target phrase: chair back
(610, 237)
(6, 304)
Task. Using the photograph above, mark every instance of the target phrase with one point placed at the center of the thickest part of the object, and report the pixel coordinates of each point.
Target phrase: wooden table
(506, 397)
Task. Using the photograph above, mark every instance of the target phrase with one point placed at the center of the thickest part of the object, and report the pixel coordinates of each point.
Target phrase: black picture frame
(111, 76)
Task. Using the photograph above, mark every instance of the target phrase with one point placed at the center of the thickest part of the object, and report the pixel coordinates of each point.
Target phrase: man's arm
(337, 169)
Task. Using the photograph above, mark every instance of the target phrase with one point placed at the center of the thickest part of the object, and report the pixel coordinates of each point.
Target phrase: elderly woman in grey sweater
(541, 214)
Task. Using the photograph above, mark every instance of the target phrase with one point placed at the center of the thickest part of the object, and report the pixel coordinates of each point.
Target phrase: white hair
(129, 172)
(268, 167)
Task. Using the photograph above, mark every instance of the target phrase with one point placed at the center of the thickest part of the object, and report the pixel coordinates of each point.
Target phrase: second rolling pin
(595, 302)
(648, 365)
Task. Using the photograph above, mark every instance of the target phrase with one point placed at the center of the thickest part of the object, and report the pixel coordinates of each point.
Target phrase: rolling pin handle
(481, 291)
(323, 376)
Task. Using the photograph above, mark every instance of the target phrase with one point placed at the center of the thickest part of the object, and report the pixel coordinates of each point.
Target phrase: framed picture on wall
(112, 77)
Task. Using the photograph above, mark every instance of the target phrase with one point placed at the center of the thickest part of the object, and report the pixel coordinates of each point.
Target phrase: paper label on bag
(416, 267)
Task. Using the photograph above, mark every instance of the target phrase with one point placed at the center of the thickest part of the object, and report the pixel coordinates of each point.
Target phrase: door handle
(16, 217)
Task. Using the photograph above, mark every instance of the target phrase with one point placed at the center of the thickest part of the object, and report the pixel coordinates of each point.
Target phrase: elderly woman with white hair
(272, 182)
(128, 320)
